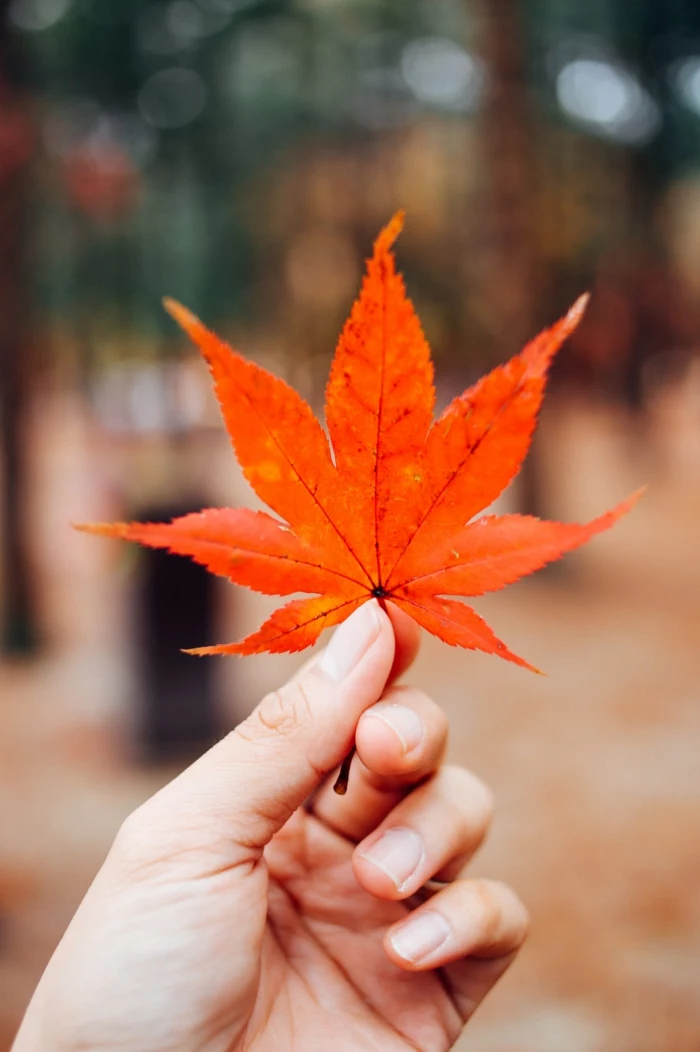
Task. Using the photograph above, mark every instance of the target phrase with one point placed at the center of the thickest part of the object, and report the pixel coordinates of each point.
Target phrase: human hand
(230, 917)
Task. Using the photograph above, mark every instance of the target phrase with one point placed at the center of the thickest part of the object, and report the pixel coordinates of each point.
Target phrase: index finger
(407, 643)
(407, 636)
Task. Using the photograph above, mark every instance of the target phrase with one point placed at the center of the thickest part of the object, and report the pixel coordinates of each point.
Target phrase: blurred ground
(595, 768)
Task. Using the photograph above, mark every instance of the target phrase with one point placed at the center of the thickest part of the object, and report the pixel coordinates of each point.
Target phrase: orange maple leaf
(382, 509)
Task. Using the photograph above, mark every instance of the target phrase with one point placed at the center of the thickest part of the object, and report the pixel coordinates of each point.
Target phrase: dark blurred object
(640, 316)
(18, 633)
(174, 609)
(511, 242)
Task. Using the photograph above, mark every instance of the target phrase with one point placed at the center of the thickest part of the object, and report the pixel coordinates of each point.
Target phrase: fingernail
(351, 642)
(398, 853)
(406, 725)
(421, 935)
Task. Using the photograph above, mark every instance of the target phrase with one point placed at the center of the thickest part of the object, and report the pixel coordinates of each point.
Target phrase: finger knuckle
(404, 694)
(489, 908)
(432, 713)
(133, 844)
(473, 797)
(523, 928)
(505, 919)
(518, 916)
(148, 844)
(281, 713)
(486, 801)
(437, 721)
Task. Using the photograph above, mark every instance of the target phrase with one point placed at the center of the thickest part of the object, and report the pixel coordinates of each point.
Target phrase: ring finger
(472, 929)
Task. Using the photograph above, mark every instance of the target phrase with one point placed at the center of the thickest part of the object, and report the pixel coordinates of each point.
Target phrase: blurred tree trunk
(514, 273)
(18, 630)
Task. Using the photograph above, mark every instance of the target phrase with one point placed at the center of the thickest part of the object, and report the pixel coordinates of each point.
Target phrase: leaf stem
(341, 782)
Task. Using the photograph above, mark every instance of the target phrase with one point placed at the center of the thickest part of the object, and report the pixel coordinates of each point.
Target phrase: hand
(229, 917)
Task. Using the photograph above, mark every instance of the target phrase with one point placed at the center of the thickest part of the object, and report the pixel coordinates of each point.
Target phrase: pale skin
(246, 906)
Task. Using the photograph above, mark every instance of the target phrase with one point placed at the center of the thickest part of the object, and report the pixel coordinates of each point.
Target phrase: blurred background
(240, 155)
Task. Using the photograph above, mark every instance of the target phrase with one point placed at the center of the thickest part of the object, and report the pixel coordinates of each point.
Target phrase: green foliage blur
(241, 154)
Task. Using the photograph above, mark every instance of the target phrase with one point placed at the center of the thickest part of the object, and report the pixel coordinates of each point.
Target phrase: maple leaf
(383, 509)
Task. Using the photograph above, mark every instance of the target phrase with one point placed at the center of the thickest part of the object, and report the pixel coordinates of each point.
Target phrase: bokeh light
(36, 15)
(608, 99)
(443, 74)
(172, 98)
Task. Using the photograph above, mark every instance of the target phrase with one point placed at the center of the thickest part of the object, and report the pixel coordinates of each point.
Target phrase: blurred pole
(514, 273)
(18, 631)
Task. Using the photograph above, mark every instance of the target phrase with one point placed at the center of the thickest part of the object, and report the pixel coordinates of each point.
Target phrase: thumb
(241, 792)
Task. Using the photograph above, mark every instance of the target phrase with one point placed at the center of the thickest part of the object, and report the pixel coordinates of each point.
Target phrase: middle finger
(400, 742)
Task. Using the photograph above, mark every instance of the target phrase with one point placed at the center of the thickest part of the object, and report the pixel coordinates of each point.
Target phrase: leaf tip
(570, 322)
(206, 651)
(539, 353)
(391, 231)
(626, 505)
(577, 311)
(184, 317)
(223, 648)
(503, 651)
(517, 660)
(102, 529)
